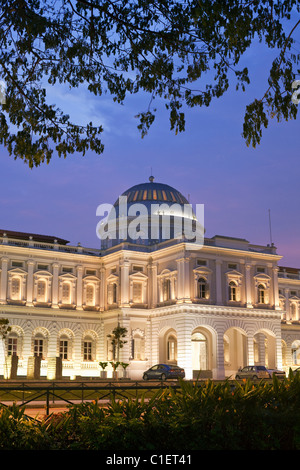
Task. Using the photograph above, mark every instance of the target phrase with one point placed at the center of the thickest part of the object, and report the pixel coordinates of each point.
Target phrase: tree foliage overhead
(168, 49)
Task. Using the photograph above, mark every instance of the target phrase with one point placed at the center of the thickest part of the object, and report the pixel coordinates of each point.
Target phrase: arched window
(201, 291)
(38, 346)
(138, 346)
(66, 293)
(87, 349)
(64, 347)
(12, 344)
(166, 289)
(16, 288)
(137, 292)
(199, 351)
(41, 291)
(261, 294)
(112, 293)
(232, 291)
(293, 311)
(172, 348)
(90, 295)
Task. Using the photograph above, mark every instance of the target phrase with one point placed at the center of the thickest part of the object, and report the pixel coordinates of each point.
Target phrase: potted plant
(115, 365)
(124, 365)
(103, 373)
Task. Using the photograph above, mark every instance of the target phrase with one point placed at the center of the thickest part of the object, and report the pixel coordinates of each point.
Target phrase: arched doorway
(235, 350)
(296, 353)
(265, 349)
(201, 353)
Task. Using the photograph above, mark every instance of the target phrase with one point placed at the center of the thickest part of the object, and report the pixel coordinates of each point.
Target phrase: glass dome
(147, 214)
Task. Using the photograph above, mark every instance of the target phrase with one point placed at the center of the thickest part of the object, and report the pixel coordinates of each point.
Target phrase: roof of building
(154, 193)
(32, 236)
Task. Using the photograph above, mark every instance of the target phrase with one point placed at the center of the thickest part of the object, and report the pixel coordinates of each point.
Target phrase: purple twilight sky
(209, 162)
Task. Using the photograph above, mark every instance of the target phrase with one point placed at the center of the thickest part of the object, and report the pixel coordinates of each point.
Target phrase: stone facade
(210, 311)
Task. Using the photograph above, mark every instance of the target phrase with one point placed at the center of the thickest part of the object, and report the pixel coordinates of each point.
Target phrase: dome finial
(151, 179)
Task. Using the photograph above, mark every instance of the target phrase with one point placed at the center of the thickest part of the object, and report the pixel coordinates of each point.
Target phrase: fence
(30, 394)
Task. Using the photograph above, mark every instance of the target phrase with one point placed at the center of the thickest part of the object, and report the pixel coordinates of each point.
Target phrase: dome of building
(153, 193)
(145, 205)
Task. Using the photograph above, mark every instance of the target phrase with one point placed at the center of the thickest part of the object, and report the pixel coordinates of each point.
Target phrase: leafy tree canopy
(165, 48)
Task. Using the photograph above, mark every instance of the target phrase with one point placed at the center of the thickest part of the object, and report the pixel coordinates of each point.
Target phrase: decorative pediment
(262, 278)
(42, 274)
(234, 273)
(17, 271)
(167, 273)
(91, 278)
(112, 278)
(67, 277)
(138, 276)
(202, 271)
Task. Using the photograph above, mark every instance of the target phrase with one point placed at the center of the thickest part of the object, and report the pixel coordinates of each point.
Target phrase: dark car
(163, 372)
(253, 372)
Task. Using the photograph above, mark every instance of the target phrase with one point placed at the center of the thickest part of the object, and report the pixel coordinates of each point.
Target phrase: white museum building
(209, 310)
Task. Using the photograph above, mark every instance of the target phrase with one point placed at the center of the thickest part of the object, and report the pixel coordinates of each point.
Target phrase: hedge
(199, 416)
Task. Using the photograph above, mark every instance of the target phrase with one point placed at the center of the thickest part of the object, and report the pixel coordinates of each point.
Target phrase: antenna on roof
(151, 179)
(270, 227)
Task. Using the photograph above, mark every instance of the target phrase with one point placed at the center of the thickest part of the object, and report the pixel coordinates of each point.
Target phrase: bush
(198, 416)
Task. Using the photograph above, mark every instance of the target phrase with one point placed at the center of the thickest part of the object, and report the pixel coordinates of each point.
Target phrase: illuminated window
(261, 294)
(166, 289)
(90, 295)
(172, 349)
(87, 350)
(201, 288)
(15, 288)
(112, 293)
(63, 348)
(138, 347)
(232, 291)
(38, 347)
(12, 344)
(41, 291)
(66, 293)
(137, 294)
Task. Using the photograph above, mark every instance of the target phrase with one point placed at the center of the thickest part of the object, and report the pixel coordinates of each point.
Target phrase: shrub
(200, 415)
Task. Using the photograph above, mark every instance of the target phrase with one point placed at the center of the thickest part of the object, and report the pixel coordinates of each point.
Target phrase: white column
(29, 296)
(79, 288)
(220, 367)
(287, 304)
(184, 348)
(125, 284)
(183, 282)
(3, 286)
(275, 287)
(218, 282)
(55, 267)
(249, 303)
(102, 289)
(250, 350)
(278, 352)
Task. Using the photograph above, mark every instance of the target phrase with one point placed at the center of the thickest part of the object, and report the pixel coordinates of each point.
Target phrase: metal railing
(44, 395)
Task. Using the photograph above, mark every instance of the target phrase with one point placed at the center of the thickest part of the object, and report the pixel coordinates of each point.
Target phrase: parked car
(163, 372)
(279, 373)
(252, 372)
